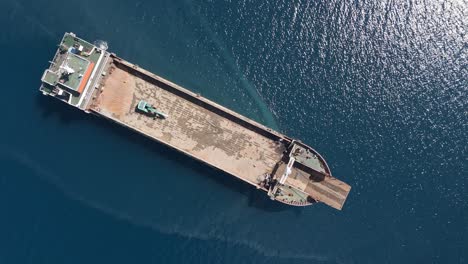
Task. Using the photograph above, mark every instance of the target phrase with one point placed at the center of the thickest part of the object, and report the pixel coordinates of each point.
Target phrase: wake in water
(251, 90)
(173, 229)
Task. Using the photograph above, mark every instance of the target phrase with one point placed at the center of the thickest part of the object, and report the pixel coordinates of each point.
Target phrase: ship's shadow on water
(67, 114)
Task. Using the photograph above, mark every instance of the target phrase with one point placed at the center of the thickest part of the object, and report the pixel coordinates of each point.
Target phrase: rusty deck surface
(190, 128)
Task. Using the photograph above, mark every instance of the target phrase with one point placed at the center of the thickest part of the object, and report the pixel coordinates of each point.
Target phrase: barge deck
(287, 170)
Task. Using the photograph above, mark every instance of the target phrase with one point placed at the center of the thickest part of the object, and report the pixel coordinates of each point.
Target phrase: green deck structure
(79, 65)
(68, 69)
(50, 78)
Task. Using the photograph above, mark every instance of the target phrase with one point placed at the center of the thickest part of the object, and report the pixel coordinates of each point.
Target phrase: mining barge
(96, 81)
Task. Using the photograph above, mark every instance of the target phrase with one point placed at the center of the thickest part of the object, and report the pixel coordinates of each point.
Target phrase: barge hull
(288, 170)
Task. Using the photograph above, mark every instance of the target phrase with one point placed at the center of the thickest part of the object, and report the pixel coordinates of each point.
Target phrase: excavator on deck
(149, 110)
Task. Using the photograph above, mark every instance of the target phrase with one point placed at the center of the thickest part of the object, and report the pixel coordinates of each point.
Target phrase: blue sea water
(380, 88)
